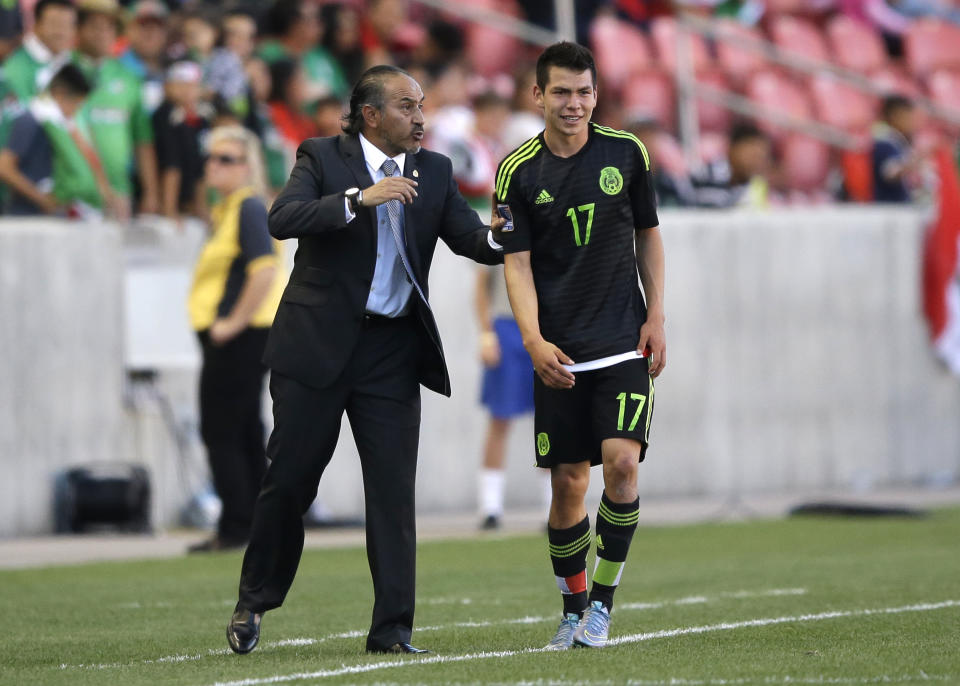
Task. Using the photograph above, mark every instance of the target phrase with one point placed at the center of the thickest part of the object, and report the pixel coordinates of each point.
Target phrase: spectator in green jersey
(29, 69)
(27, 160)
(115, 114)
(297, 30)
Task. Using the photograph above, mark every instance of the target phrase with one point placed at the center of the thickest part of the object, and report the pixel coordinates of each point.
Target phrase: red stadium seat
(738, 63)
(713, 117)
(663, 31)
(840, 105)
(895, 80)
(855, 46)
(713, 146)
(799, 36)
(489, 50)
(930, 45)
(785, 6)
(619, 49)
(775, 91)
(944, 86)
(667, 154)
(650, 93)
(805, 162)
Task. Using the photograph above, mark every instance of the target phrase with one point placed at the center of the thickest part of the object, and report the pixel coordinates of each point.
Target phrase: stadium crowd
(107, 105)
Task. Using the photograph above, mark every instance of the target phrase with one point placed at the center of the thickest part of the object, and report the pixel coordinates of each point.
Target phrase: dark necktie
(394, 209)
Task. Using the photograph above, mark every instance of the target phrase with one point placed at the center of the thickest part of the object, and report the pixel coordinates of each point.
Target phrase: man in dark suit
(354, 333)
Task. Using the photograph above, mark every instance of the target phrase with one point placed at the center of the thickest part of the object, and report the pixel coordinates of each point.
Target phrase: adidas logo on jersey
(544, 197)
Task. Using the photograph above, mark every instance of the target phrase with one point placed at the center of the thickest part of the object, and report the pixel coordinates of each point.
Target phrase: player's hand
(654, 342)
(548, 361)
(489, 349)
(391, 188)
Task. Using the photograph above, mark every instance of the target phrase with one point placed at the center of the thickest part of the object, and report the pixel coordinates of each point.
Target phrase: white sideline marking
(634, 638)
(771, 680)
(360, 633)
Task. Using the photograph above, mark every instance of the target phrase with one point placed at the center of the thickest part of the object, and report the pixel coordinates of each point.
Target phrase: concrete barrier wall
(61, 384)
(798, 360)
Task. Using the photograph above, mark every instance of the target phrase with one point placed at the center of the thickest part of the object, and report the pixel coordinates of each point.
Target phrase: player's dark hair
(892, 103)
(43, 5)
(565, 55)
(368, 91)
(745, 131)
(70, 80)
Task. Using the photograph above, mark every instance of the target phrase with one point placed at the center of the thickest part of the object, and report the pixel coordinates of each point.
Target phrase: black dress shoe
(243, 631)
(398, 648)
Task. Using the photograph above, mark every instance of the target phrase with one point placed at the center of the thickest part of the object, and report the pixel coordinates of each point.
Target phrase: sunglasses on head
(226, 159)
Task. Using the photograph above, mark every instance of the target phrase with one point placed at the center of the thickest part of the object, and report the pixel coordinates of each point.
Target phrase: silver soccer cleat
(563, 639)
(593, 629)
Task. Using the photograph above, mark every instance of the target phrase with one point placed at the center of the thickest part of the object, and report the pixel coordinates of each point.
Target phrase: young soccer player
(585, 227)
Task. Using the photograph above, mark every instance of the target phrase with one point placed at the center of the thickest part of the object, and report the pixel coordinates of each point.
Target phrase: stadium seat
(490, 50)
(840, 105)
(713, 146)
(773, 90)
(805, 162)
(667, 154)
(893, 79)
(944, 86)
(736, 62)
(776, 7)
(650, 93)
(712, 116)
(800, 37)
(930, 44)
(620, 49)
(855, 46)
(663, 31)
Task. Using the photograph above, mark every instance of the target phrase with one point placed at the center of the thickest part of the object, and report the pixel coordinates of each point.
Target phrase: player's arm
(547, 358)
(650, 265)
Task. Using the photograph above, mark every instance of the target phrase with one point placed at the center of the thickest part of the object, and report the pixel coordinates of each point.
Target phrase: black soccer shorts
(612, 402)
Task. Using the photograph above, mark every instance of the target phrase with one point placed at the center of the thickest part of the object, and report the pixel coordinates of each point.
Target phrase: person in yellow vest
(237, 286)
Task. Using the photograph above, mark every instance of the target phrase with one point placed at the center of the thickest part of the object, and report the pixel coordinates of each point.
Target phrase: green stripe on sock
(617, 519)
(607, 572)
(570, 549)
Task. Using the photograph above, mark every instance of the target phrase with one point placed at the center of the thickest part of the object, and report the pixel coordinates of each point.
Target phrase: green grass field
(800, 601)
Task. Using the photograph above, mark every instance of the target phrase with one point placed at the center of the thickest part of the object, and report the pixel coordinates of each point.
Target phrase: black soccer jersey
(577, 216)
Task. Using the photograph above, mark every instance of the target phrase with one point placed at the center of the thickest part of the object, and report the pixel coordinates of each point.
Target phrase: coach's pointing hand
(391, 188)
(548, 361)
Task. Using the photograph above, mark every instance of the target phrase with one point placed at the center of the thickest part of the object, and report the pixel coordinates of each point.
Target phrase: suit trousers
(380, 393)
(231, 390)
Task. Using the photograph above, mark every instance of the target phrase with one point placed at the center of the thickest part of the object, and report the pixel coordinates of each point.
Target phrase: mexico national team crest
(611, 182)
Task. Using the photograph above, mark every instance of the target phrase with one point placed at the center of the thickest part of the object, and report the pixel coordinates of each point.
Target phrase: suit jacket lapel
(410, 171)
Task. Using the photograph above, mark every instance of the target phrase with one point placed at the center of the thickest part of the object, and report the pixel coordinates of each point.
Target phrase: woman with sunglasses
(237, 286)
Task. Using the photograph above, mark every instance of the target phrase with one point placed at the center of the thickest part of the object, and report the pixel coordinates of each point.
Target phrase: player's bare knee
(620, 474)
(569, 486)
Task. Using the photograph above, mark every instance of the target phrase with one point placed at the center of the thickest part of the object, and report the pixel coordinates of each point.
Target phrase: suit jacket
(320, 316)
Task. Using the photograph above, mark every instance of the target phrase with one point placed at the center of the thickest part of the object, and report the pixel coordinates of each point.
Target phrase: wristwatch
(354, 196)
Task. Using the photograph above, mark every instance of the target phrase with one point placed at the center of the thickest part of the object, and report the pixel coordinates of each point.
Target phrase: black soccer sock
(616, 523)
(568, 553)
